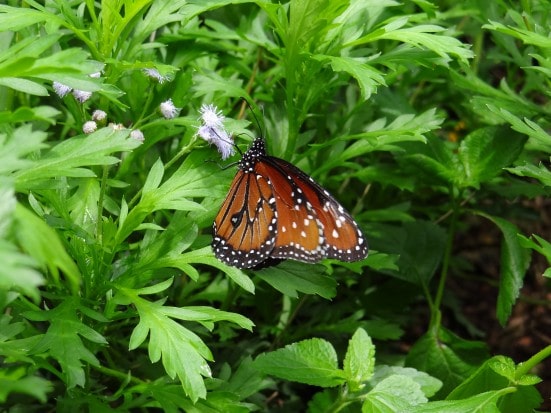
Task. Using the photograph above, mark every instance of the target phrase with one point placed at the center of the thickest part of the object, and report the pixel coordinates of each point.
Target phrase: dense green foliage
(418, 116)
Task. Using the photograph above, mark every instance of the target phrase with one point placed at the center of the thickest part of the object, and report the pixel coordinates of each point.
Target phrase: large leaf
(359, 361)
(291, 277)
(62, 340)
(447, 357)
(485, 152)
(312, 361)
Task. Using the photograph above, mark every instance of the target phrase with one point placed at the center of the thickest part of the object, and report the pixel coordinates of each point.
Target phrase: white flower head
(89, 127)
(211, 116)
(81, 95)
(168, 109)
(212, 130)
(61, 90)
(155, 75)
(99, 115)
(137, 135)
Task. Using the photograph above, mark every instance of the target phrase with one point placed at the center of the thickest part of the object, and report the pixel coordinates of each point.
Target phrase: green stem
(524, 368)
(435, 313)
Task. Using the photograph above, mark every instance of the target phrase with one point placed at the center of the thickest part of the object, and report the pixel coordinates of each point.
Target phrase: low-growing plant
(423, 118)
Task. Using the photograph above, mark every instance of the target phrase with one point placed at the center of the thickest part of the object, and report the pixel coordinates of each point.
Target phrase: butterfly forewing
(242, 234)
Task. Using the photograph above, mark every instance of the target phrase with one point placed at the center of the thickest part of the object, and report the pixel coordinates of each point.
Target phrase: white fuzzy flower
(168, 109)
(211, 116)
(61, 90)
(137, 135)
(89, 127)
(212, 130)
(99, 115)
(81, 95)
(155, 75)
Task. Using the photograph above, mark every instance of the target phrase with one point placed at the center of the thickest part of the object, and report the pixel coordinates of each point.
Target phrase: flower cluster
(212, 130)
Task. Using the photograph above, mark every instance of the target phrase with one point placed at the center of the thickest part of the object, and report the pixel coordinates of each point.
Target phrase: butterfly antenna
(254, 116)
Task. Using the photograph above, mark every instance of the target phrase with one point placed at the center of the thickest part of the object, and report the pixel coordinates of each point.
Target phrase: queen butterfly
(273, 210)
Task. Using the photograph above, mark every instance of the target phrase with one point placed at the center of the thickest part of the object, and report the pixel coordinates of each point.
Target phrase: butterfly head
(252, 156)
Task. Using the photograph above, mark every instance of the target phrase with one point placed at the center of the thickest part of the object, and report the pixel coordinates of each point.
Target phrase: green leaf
(538, 244)
(291, 277)
(428, 384)
(514, 263)
(481, 403)
(392, 394)
(26, 114)
(359, 361)
(485, 152)
(154, 177)
(539, 172)
(183, 353)
(420, 247)
(16, 18)
(24, 85)
(420, 36)
(17, 380)
(499, 373)
(71, 157)
(205, 256)
(193, 179)
(12, 151)
(312, 361)
(62, 340)
(43, 244)
(447, 357)
(366, 75)
(245, 381)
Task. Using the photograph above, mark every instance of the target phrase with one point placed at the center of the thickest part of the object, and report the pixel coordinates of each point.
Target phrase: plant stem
(525, 367)
(435, 313)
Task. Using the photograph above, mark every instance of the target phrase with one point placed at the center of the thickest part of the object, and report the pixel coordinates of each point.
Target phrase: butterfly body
(275, 211)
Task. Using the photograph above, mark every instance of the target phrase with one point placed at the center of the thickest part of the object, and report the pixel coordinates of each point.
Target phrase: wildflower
(168, 109)
(116, 126)
(81, 95)
(211, 116)
(99, 115)
(213, 130)
(137, 135)
(89, 127)
(155, 75)
(61, 90)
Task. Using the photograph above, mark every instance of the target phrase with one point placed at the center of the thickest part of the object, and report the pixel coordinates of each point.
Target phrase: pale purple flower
(212, 130)
(155, 75)
(89, 127)
(168, 109)
(137, 135)
(61, 90)
(81, 95)
(99, 115)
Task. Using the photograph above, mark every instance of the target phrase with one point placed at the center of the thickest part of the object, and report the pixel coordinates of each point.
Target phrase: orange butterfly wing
(244, 229)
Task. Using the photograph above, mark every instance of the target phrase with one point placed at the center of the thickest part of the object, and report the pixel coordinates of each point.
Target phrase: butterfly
(273, 210)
